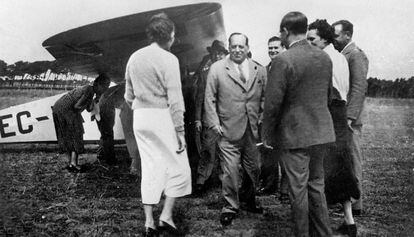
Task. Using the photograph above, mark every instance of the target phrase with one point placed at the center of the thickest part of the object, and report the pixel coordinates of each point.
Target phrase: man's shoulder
(219, 65)
(357, 52)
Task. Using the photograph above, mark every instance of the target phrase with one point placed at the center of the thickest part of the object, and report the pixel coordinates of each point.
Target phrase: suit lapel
(233, 74)
(252, 75)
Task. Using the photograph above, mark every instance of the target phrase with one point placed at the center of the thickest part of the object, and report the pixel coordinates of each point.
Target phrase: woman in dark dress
(68, 119)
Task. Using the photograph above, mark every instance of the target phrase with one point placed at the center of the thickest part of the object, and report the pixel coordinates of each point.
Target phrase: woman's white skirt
(163, 170)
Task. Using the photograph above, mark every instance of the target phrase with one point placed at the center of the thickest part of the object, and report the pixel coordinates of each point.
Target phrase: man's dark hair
(347, 27)
(237, 33)
(159, 28)
(324, 30)
(273, 38)
(295, 22)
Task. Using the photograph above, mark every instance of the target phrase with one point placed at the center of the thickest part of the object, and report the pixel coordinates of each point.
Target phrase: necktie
(242, 77)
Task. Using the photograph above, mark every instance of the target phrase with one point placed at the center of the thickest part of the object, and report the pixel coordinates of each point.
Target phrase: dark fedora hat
(217, 45)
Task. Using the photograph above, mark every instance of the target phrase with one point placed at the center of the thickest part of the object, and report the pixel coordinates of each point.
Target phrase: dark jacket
(296, 111)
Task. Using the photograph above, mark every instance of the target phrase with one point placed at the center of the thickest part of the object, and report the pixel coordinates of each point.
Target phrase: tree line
(36, 68)
(399, 88)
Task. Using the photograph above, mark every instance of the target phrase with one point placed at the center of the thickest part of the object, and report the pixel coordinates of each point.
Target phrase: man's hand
(218, 130)
(350, 121)
(266, 145)
(181, 142)
(198, 125)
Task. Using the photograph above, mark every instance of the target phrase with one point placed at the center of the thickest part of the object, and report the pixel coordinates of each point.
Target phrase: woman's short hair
(159, 28)
(324, 30)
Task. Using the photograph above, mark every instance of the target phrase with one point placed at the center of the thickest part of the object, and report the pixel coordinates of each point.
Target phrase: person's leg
(349, 227)
(106, 144)
(357, 164)
(167, 211)
(318, 209)
(149, 218)
(348, 218)
(250, 164)
(296, 164)
(269, 172)
(69, 156)
(74, 158)
(284, 185)
(229, 154)
(207, 156)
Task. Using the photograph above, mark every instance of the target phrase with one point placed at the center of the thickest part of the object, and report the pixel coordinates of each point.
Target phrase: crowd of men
(270, 126)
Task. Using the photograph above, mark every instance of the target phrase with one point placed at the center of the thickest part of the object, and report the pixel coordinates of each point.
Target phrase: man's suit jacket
(231, 103)
(296, 111)
(358, 70)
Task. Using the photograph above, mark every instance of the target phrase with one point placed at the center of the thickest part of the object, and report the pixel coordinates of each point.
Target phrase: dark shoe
(150, 232)
(73, 168)
(251, 208)
(265, 192)
(350, 230)
(165, 227)
(226, 218)
(356, 212)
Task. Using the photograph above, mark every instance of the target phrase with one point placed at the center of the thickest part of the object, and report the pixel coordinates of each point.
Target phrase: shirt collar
(347, 46)
(294, 42)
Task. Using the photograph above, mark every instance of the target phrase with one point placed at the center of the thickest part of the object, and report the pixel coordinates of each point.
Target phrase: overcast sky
(383, 29)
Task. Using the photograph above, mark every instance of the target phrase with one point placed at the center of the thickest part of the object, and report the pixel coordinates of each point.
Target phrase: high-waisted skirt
(163, 170)
(341, 183)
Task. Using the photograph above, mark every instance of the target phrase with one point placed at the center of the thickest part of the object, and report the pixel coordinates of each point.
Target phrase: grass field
(39, 198)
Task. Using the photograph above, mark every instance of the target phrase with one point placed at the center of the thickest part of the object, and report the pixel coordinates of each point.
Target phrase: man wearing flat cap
(207, 141)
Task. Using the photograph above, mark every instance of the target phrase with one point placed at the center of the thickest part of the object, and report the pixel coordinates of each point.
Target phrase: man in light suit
(358, 69)
(297, 119)
(233, 104)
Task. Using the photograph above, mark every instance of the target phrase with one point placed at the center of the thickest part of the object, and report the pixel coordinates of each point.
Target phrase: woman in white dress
(153, 90)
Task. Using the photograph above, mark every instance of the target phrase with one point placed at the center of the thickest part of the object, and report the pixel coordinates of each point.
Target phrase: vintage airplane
(104, 47)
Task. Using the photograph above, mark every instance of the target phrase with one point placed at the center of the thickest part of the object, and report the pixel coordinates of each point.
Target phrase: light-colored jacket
(358, 70)
(231, 103)
(153, 81)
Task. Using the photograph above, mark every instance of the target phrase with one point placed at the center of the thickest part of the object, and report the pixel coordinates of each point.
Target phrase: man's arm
(274, 94)
(358, 69)
(211, 118)
(129, 91)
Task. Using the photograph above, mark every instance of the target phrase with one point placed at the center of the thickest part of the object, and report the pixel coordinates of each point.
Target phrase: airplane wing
(104, 47)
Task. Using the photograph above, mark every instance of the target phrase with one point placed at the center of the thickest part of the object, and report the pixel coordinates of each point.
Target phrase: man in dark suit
(233, 104)
(269, 175)
(207, 137)
(358, 69)
(297, 118)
